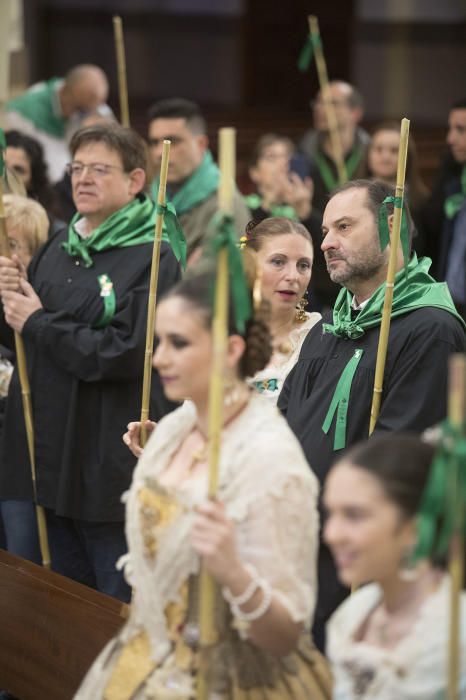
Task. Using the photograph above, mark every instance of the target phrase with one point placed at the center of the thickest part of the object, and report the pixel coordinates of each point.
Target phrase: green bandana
(307, 52)
(134, 224)
(351, 163)
(201, 184)
(2, 152)
(414, 291)
(444, 500)
(223, 236)
(454, 202)
(40, 105)
(254, 201)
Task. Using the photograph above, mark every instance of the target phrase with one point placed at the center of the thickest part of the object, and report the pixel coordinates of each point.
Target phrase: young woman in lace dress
(259, 540)
(390, 638)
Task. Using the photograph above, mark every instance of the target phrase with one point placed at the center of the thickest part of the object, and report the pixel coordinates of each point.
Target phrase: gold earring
(301, 315)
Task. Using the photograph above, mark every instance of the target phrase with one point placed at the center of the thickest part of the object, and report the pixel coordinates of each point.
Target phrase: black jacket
(86, 383)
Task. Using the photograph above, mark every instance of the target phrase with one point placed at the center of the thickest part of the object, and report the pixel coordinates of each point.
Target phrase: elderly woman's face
(19, 244)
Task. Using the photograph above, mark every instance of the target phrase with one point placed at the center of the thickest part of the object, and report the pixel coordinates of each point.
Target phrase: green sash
(454, 202)
(202, 183)
(351, 163)
(39, 105)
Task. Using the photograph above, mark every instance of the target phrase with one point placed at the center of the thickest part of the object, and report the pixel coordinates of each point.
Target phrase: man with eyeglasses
(317, 146)
(82, 315)
(193, 176)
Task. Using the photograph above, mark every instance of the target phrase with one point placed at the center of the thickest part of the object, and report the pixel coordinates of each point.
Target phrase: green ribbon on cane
(454, 202)
(307, 52)
(174, 231)
(444, 498)
(2, 152)
(340, 402)
(384, 231)
(224, 236)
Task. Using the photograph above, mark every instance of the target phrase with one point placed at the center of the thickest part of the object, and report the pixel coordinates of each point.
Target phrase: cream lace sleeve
(279, 537)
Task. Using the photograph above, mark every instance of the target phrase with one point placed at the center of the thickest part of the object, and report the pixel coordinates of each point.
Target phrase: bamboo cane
(220, 338)
(26, 399)
(335, 139)
(154, 277)
(391, 272)
(121, 68)
(457, 416)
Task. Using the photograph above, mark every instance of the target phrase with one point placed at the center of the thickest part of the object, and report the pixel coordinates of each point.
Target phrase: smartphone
(299, 165)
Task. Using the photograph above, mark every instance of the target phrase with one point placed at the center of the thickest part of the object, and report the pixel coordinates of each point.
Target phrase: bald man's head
(347, 102)
(84, 89)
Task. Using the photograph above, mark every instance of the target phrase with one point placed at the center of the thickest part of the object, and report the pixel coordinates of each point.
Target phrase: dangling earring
(231, 391)
(408, 570)
(300, 315)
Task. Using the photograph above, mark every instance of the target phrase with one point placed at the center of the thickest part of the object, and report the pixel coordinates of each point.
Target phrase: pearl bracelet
(251, 588)
(261, 608)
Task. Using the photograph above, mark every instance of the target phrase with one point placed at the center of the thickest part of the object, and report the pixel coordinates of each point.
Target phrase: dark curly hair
(39, 188)
(196, 290)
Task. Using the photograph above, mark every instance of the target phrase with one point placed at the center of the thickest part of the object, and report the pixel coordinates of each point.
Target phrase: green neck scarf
(330, 180)
(454, 202)
(132, 225)
(40, 105)
(254, 201)
(201, 184)
(413, 291)
(416, 290)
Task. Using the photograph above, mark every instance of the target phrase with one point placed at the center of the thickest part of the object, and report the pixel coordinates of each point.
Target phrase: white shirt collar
(81, 228)
(359, 307)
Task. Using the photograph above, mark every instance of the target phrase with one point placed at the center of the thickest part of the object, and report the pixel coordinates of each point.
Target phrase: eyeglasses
(174, 141)
(77, 169)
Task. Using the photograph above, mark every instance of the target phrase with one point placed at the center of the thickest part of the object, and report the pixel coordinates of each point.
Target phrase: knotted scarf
(454, 202)
(40, 105)
(200, 184)
(134, 224)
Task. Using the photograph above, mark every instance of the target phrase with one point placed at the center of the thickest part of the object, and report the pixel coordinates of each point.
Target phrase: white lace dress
(416, 669)
(269, 381)
(271, 494)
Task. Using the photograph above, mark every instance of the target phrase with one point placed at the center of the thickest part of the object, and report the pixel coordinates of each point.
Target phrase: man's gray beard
(358, 269)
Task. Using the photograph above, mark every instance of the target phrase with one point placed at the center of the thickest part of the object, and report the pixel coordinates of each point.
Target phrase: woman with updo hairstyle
(285, 254)
(390, 638)
(258, 539)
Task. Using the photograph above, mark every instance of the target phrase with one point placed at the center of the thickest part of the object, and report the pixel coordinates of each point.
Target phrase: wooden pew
(51, 629)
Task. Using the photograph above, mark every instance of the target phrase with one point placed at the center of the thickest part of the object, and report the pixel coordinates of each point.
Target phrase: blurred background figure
(24, 155)
(27, 226)
(382, 161)
(316, 144)
(444, 215)
(51, 111)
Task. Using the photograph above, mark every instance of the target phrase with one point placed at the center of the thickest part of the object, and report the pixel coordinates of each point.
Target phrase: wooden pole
(207, 592)
(26, 399)
(121, 68)
(335, 139)
(457, 416)
(391, 272)
(154, 277)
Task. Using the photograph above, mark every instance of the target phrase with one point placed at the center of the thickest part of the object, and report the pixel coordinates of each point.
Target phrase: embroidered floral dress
(269, 381)
(416, 669)
(271, 494)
